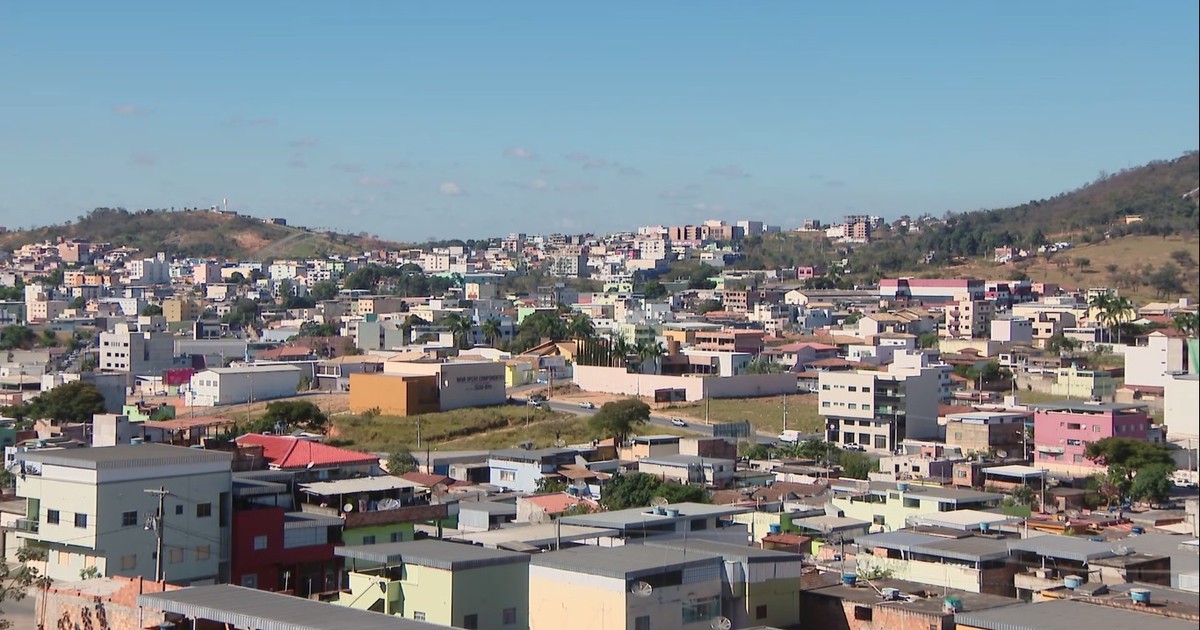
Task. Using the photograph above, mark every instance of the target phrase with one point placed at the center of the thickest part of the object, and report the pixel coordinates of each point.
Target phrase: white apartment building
(651, 248)
(141, 348)
(89, 508)
(1012, 330)
(1156, 357)
(1181, 406)
(149, 270)
(878, 410)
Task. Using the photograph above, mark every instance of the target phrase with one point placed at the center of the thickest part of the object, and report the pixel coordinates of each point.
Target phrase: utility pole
(785, 412)
(418, 434)
(156, 523)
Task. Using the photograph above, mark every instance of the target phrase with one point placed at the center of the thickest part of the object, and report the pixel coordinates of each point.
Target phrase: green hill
(197, 233)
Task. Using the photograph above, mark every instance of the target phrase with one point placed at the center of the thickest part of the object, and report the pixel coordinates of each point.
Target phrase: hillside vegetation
(196, 233)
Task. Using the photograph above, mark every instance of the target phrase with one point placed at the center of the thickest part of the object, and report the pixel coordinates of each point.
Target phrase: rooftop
(254, 369)
(126, 456)
(729, 551)
(1066, 614)
(1065, 547)
(289, 452)
(542, 535)
(624, 562)
(437, 554)
(1076, 407)
(361, 484)
(638, 518)
(252, 608)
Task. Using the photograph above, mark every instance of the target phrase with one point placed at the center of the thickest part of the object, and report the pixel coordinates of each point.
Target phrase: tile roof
(556, 503)
(288, 452)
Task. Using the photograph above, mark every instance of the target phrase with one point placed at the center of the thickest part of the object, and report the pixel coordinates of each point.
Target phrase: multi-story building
(1156, 358)
(141, 348)
(180, 310)
(987, 432)
(1073, 382)
(456, 584)
(967, 319)
(91, 507)
(888, 505)
(149, 270)
(248, 383)
(1018, 330)
(1062, 432)
(748, 341)
(520, 470)
(878, 410)
(628, 587)
(931, 290)
(1181, 406)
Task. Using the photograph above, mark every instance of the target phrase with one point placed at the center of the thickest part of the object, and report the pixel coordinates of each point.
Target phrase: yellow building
(454, 584)
(177, 310)
(394, 394)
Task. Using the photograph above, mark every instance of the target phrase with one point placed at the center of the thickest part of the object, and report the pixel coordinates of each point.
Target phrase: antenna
(641, 588)
(721, 623)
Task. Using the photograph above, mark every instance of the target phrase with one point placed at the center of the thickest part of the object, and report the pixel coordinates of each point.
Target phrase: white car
(855, 447)
(587, 405)
(679, 422)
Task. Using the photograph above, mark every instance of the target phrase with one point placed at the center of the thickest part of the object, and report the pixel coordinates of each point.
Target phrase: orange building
(394, 394)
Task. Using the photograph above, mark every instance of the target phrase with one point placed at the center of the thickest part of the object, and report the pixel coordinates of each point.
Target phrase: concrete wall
(1181, 407)
(107, 603)
(460, 384)
(566, 599)
(618, 381)
(209, 388)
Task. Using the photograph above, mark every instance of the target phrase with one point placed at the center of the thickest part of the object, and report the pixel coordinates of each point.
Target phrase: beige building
(180, 310)
(988, 431)
(967, 319)
(460, 383)
(878, 410)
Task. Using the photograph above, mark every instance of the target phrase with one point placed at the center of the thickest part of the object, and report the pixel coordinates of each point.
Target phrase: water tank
(1072, 582)
(985, 527)
(672, 512)
(660, 510)
(1140, 596)
(1138, 529)
(775, 528)
(902, 486)
(136, 440)
(891, 593)
(849, 579)
(952, 604)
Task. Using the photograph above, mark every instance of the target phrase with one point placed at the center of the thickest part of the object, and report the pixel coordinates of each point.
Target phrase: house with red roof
(541, 508)
(311, 460)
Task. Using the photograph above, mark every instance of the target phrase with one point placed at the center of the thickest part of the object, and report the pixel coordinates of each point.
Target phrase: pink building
(1061, 432)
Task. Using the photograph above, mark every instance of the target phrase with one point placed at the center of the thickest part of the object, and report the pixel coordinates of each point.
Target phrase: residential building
(987, 432)
(624, 588)
(90, 508)
(141, 348)
(1061, 432)
(931, 290)
(180, 310)
(697, 519)
(311, 460)
(1155, 358)
(748, 341)
(1018, 330)
(462, 585)
(1073, 382)
(966, 563)
(878, 410)
(967, 319)
(710, 472)
(520, 470)
(888, 505)
(1181, 406)
(248, 383)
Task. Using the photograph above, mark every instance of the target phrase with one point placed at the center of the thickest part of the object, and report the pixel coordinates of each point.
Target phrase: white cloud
(450, 189)
(538, 184)
(125, 109)
(732, 171)
(521, 153)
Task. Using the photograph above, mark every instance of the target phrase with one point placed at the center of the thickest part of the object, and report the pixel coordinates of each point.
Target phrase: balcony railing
(27, 525)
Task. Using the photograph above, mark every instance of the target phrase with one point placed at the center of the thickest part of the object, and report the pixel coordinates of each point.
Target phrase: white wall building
(1181, 406)
(89, 507)
(1012, 330)
(878, 410)
(1149, 362)
(247, 383)
(142, 348)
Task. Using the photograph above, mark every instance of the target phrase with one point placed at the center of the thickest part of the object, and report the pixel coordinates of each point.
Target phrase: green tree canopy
(76, 401)
(296, 413)
(17, 337)
(620, 418)
(323, 290)
(401, 461)
(1130, 454)
(638, 489)
(1152, 483)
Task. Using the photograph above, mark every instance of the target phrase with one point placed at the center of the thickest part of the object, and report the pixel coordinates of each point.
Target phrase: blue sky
(412, 120)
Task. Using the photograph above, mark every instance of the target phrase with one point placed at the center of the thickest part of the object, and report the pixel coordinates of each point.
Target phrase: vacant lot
(387, 433)
(765, 414)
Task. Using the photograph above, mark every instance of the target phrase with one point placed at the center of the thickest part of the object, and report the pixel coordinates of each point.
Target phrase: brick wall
(101, 604)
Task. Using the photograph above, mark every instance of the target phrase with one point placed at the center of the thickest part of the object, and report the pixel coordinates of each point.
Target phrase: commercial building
(1061, 432)
(878, 410)
(141, 348)
(248, 383)
(448, 583)
(931, 290)
(89, 508)
(394, 394)
(624, 588)
(408, 387)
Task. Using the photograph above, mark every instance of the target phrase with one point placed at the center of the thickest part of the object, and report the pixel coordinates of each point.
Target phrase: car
(855, 447)
(679, 422)
(587, 405)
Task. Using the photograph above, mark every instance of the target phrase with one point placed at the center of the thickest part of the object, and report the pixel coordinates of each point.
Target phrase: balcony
(27, 525)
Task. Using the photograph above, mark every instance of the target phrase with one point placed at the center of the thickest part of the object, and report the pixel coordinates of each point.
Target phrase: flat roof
(728, 551)
(1066, 614)
(1015, 470)
(625, 562)
(126, 456)
(540, 535)
(829, 524)
(970, 548)
(361, 484)
(962, 519)
(491, 507)
(654, 439)
(1065, 547)
(251, 608)
(945, 495)
(900, 540)
(637, 517)
(1087, 407)
(438, 554)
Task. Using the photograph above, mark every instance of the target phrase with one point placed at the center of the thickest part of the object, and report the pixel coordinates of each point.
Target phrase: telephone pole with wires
(155, 523)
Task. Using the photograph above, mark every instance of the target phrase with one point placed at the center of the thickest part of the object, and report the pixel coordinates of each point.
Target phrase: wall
(460, 384)
(566, 599)
(488, 591)
(239, 387)
(618, 381)
(780, 596)
(832, 613)
(1145, 365)
(393, 395)
(382, 534)
(116, 608)
(1181, 409)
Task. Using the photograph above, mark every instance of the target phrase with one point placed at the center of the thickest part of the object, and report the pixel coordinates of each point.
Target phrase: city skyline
(476, 120)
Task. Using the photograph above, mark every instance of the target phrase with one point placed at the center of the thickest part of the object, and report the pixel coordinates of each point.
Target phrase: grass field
(765, 414)
(386, 433)
(570, 430)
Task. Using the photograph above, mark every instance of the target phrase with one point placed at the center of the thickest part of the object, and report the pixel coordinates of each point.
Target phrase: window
(203, 552)
(418, 615)
(824, 387)
(52, 517)
(862, 613)
(760, 612)
(702, 609)
(260, 543)
(368, 540)
(510, 616)
(866, 390)
(853, 405)
(825, 403)
(250, 581)
(471, 622)
(178, 510)
(175, 556)
(878, 519)
(129, 562)
(203, 510)
(129, 519)
(396, 537)
(853, 388)
(1095, 428)
(81, 520)
(642, 623)
(508, 475)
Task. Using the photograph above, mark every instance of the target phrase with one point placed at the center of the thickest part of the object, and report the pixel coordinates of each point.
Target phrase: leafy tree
(243, 314)
(1130, 454)
(620, 418)
(315, 329)
(324, 290)
(401, 461)
(237, 277)
(459, 326)
(758, 451)
(581, 327)
(857, 465)
(48, 339)
(296, 413)
(17, 579)
(1185, 323)
(1152, 483)
(152, 309)
(76, 401)
(699, 278)
(928, 340)
(1082, 263)
(16, 337)
(1058, 343)
(853, 318)
(79, 303)
(491, 330)
(1167, 280)
(536, 327)
(1183, 258)
(649, 352)
(547, 485)
(654, 290)
(638, 489)
(759, 365)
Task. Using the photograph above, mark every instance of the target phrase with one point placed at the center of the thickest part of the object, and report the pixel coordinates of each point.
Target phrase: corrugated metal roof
(625, 562)
(437, 554)
(1066, 614)
(1065, 547)
(251, 608)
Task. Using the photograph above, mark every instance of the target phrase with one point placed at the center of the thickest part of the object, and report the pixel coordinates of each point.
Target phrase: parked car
(855, 447)
(679, 422)
(587, 405)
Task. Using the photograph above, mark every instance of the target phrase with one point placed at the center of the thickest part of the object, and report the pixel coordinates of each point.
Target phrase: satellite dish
(560, 443)
(641, 589)
(721, 623)
(389, 504)
(349, 507)
(658, 502)
(1121, 550)
(1002, 454)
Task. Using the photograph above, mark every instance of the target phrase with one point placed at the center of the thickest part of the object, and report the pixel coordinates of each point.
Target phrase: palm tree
(1120, 310)
(459, 327)
(621, 349)
(1186, 323)
(490, 330)
(1099, 308)
(649, 351)
(581, 327)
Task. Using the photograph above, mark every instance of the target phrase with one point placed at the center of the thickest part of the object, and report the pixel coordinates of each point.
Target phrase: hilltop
(197, 233)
